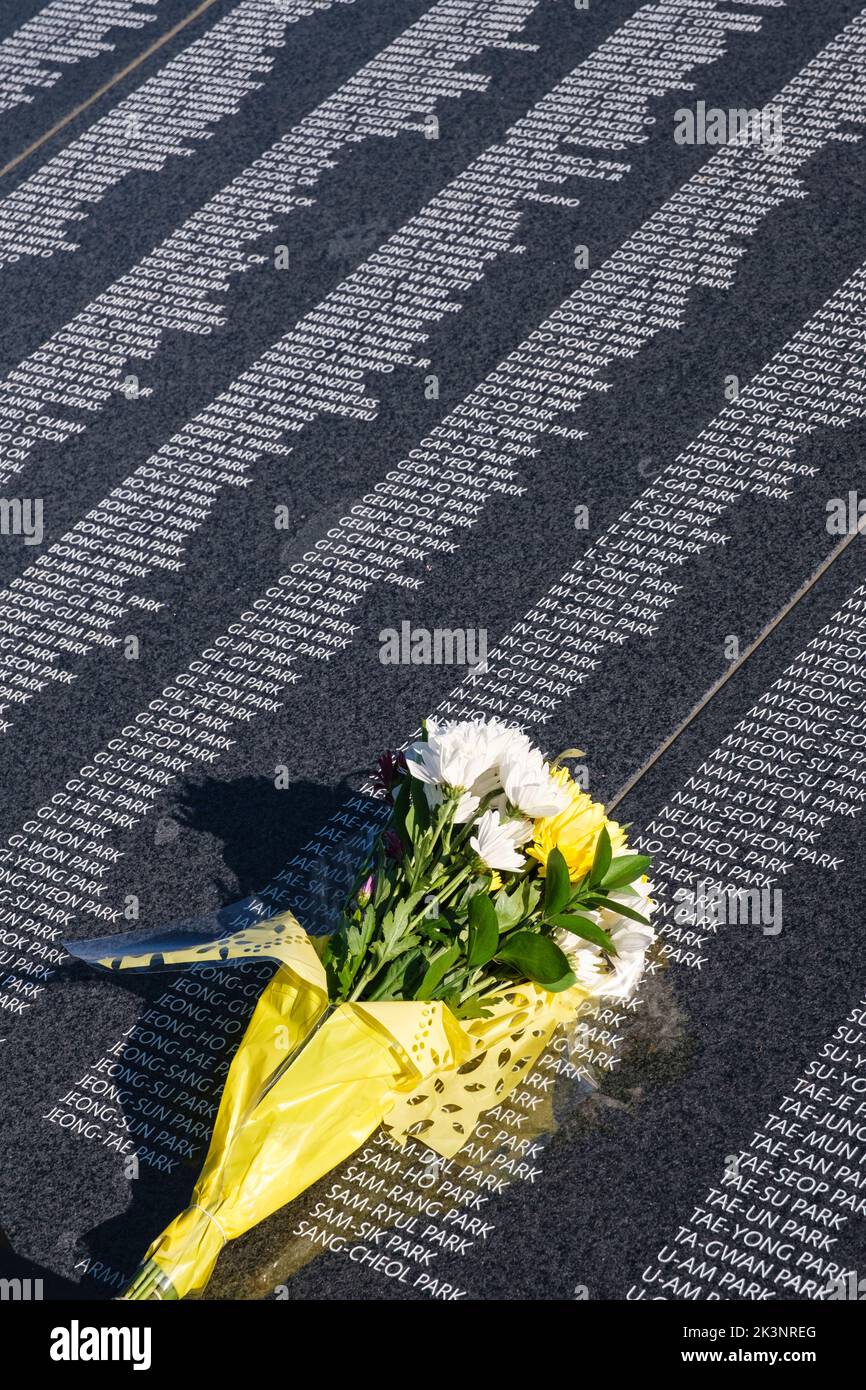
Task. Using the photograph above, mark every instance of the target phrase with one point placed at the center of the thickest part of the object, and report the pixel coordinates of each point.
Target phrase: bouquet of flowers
(496, 900)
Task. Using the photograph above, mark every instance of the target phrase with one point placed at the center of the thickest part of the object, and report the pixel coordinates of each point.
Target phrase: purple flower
(391, 842)
(366, 891)
(389, 768)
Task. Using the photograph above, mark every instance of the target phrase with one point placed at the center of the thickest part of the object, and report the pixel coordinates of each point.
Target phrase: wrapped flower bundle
(497, 900)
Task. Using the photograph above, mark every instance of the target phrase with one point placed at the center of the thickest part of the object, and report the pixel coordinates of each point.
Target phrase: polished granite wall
(576, 1197)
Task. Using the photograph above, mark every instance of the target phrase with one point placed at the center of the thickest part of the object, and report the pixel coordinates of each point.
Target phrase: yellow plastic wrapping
(284, 1122)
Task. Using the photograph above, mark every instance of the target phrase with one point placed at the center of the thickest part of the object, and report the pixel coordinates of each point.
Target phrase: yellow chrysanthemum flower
(574, 831)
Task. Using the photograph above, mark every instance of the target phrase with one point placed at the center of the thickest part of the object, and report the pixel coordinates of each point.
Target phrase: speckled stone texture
(712, 1049)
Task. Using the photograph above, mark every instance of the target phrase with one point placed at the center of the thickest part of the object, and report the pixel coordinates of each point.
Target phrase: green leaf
(568, 753)
(578, 887)
(388, 930)
(624, 868)
(479, 883)
(483, 931)
(436, 929)
(419, 804)
(538, 958)
(530, 895)
(603, 855)
(402, 977)
(402, 807)
(509, 907)
(353, 940)
(471, 1008)
(599, 900)
(520, 903)
(383, 884)
(437, 970)
(585, 928)
(557, 885)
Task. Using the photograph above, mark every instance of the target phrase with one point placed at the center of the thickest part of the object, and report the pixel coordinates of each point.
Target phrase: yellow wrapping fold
(280, 1128)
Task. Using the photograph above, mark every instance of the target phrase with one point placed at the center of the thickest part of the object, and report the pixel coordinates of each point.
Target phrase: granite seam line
(106, 86)
(735, 666)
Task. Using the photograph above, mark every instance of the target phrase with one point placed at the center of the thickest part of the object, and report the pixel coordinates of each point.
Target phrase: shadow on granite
(26, 1281)
(259, 825)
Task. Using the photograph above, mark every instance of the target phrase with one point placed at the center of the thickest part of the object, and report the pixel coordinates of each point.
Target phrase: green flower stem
(443, 896)
(369, 975)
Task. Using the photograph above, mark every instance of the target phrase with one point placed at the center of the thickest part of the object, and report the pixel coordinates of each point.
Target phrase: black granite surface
(706, 1059)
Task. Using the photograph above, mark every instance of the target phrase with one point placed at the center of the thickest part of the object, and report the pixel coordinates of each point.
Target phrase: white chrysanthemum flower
(496, 841)
(462, 757)
(467, 803)
(528, 784)
(616, 977)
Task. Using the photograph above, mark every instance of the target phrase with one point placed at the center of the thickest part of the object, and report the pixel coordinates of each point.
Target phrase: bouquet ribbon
(312, 1080)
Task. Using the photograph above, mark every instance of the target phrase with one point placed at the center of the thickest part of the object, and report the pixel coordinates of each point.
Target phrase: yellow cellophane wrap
(411, 1066)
